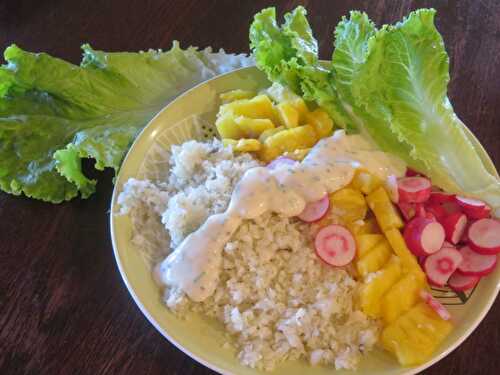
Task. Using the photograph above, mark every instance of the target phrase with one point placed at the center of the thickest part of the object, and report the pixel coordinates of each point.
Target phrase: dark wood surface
(63, 306)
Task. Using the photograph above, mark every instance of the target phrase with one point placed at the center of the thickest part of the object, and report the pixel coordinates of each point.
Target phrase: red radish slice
(441, 265)
(420, 210)
(279, 161)
(460, 283)
(424, 236)
(392, 188)
(473, 208)
(411, 172)
(451, 207)
(408, 210)
(436, 209)
(474, 264)
(435, 305)
(315, 210)
(335, 245)
(484, 236)
(439, 197)
(414, 189)
(454, 226)
(465, 235)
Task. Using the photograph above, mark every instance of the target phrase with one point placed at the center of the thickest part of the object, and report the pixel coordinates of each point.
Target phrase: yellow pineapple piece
(401, 297)
(409, 261)
(348, 204)
(253, 128)
(374, 259)
(321, 122)
(231, 96)
(385, 212)
(365, 226)
(365, 242)
(300, 105)
(243, 145)
(299, 154)
(288, 115)
(365, 181)
(269, 132)
(415, 335)
(287, 140)
(259, 106)
(376, 285)
(226, 126)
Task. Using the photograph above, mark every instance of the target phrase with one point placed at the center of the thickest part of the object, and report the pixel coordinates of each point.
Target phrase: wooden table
(63, 306)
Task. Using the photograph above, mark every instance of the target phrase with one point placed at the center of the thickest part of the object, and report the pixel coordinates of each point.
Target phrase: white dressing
(195, 264)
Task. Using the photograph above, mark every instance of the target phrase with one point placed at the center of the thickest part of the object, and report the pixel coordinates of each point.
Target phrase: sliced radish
(408, 210)
(392, 188)
(420, 210)
(414, 189)
(474, 264)
(440, 266)
(473, 208)
(451, 207)
(454, 226)
(280, 161)
(436, 209)
(335, 245)
(411, 172)
(315, 210)
(439, 197)
(424, 236)
(465, 235)
(435, 305)
(484, 236)
(460, 283)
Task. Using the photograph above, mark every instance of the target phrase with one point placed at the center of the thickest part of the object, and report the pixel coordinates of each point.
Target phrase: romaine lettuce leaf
(53, 113)
(388, 84)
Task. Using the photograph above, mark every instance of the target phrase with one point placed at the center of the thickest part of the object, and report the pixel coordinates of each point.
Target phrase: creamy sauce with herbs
(194, 266)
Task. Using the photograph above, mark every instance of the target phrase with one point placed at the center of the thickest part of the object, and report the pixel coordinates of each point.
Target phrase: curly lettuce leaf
(388, 84)
(404, 80)
(53, 113)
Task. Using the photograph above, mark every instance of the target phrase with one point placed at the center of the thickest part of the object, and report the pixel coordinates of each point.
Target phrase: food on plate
(310, 242)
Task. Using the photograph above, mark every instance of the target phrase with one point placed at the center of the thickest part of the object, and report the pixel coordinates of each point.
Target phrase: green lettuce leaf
(388, 84)
(53, 113)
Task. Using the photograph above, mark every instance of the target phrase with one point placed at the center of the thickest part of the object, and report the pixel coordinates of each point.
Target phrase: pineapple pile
(276, 122)
(391, 276)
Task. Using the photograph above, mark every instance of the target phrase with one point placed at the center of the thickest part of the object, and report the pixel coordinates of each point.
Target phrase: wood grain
(63, 307)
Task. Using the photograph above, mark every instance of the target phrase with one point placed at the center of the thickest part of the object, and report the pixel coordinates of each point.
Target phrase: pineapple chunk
(257, 107)
(385, 212)
(226, 126)
(321, 122)
(365, 242)
(373, 290)
(253, 128)
(366, 182)
(288, 140)
(415, 335)
(408, 260)
(401, 297)
(374, 259)
(365, 226)
(301, 107)
(299, 154)
(348, 204)
(243, 145)
(288, 115)
(269, 132)
(231, 96)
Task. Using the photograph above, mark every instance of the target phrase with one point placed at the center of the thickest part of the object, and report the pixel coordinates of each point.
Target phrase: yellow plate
(192, 116)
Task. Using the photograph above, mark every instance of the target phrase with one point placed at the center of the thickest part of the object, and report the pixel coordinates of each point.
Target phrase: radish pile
(454, 238)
